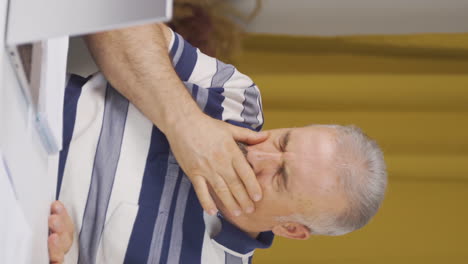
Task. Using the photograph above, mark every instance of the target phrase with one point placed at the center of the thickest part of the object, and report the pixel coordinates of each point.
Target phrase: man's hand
(61, 233)
(136, 61)
(206, 150)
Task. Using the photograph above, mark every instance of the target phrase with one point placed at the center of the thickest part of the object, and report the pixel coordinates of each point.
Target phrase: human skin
(295, 168)
(204, 147)
(61, 233)
(304, 154)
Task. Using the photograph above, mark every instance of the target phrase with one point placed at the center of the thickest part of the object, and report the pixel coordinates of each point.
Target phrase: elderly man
(131, 202)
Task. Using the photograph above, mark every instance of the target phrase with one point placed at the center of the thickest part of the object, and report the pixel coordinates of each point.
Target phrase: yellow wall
(408, 92)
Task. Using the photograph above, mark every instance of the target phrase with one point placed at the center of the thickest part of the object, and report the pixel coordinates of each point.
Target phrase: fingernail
(237, 212)
(249, 210)
(212, 212)
(257, 197)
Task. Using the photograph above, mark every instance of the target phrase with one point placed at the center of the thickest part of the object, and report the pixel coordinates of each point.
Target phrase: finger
(67, 221)
(239, 192)
(203, 194)
(56, 254)
(56, 224)
(57, 217)
(56, 207)
(246, 135)
(224, 194)
(66, 240)
(246, 174)
(65, 237)
(60, 222)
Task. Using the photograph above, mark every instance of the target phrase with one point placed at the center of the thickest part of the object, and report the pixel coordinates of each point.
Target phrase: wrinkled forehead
(313, 149)
(313, 145)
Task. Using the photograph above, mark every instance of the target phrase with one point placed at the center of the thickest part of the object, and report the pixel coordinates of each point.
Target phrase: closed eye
(282, 171)
(285, 141)
(280, 178)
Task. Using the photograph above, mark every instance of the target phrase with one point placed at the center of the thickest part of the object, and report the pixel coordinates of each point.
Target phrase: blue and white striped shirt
(129, 199)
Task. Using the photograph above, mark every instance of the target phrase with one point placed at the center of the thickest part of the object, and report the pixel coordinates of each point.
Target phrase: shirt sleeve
(219, 89)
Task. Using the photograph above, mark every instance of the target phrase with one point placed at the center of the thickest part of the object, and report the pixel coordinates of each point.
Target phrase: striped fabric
(128, 197)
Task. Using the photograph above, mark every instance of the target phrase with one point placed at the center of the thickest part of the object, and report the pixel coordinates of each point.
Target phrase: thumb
(247, 136)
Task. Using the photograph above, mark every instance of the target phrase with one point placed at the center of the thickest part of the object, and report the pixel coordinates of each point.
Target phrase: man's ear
(291, 230)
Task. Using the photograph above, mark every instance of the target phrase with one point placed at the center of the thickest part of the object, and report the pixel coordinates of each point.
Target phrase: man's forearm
(136, 62)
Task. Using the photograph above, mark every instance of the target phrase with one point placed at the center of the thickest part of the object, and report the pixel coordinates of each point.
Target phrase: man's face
(294, 166)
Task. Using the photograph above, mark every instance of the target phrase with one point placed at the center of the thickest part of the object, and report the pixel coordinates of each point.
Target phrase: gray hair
(362, 177)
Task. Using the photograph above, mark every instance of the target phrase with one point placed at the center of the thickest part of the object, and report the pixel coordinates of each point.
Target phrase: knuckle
(246, 171)
(53, 219)
(234, 180)
(236, 184)
(252, 187)
(221, 188)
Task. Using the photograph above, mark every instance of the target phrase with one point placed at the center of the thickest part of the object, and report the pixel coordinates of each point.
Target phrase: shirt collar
(237, 240)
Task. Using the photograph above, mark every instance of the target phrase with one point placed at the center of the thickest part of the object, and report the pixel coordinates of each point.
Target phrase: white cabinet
(32, 20)
(32, 169)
